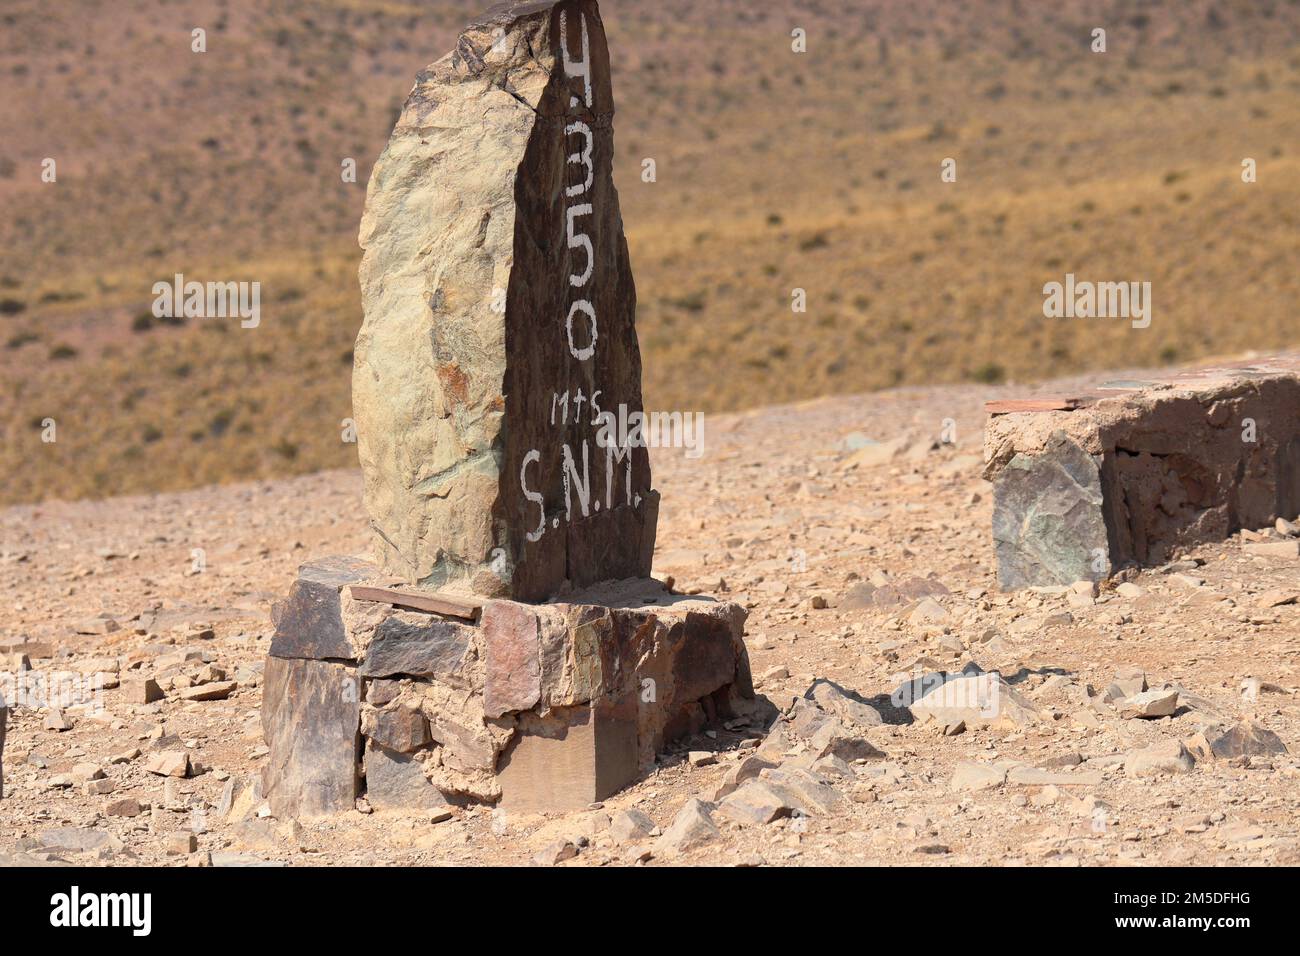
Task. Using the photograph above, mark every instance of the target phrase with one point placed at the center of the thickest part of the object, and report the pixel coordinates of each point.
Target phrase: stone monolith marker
(526, 659)
(499, 320)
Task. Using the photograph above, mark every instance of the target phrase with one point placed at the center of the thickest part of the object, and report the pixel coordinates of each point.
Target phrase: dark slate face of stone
(596, 515)
(1247, 740)
(1048, 523)
(617, 750)
(309, 623)
(380, 692)
(400, 728)
(311, 720)
(432, 648)
(706, 658)
(396, 781)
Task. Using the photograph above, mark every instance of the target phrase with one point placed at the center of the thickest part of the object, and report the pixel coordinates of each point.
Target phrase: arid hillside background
(775, 171)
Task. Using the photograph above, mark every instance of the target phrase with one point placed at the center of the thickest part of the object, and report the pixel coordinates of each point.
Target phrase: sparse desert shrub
(56, 296)
(691, 302)
(220, 422)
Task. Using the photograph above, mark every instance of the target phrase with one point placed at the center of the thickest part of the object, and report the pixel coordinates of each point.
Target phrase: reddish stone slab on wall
(1139, 469)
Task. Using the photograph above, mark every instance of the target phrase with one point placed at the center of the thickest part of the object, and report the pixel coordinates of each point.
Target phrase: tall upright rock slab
(499, 320)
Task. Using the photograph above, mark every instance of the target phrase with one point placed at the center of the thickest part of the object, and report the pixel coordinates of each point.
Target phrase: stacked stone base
(531, 707)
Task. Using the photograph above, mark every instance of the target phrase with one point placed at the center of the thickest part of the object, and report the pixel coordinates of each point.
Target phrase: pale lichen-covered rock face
(499, 320)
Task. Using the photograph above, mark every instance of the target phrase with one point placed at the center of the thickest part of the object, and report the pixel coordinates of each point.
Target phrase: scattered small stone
(1071, 759)
(555, 853)
(978, 700)
(977, 776)
(101, 624)
(1247, 739)
(1277, 597)
(1150, 704)
(630, 826)
(1038, 777)
(56, 720)
(218, 690)
(126, 807)
(1290, 548)
(702, 758)
(833, 698)
(928, 611)
(180, 843)
(1165, 757)
(757, 802)
(746, 769)
(1077, 599)
(1130, 680)
(1046, 797)
(693, 827)
(140, 690)
(169, 763)
(76, 840)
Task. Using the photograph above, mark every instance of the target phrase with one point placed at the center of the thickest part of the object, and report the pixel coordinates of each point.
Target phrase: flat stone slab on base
(1128, 474)
(538, 706)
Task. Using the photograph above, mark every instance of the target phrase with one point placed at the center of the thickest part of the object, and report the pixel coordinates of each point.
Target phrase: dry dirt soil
(778, 515)
(775, 171)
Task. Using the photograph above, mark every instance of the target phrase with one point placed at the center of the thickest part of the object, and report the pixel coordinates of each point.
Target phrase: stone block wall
(536, 707)
(1135, 470)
